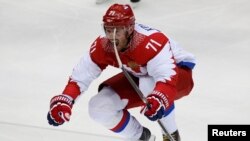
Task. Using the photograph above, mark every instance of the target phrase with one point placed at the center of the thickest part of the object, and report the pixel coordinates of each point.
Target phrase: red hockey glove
(60, 109)
(158, 103)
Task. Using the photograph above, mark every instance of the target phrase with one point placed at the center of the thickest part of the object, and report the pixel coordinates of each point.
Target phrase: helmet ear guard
(119, 15)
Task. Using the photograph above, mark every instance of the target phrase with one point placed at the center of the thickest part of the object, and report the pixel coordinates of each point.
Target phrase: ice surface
(41, 41)
(22, 132)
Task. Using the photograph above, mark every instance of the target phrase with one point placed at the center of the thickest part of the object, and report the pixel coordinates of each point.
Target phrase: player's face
(120, 37)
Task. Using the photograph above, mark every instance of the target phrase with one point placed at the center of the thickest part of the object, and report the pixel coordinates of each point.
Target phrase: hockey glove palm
(60, 109)
(158, 103)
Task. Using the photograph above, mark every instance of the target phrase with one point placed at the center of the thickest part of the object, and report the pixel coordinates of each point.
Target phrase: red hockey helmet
(119, 15)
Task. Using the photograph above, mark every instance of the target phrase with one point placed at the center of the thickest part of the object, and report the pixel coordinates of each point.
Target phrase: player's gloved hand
(60, 109)
(157, 104)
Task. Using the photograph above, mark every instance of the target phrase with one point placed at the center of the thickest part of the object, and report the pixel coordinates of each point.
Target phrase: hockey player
(159, 66)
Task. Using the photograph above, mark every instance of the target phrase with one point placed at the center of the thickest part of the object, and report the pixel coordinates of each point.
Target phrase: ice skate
(175, 135)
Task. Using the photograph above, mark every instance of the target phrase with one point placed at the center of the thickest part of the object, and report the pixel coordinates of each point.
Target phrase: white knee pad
(106, 107)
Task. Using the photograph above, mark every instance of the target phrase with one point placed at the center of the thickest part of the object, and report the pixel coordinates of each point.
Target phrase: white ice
(41, 41)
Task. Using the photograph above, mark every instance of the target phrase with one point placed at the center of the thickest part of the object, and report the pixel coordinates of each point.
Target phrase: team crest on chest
(134, 66)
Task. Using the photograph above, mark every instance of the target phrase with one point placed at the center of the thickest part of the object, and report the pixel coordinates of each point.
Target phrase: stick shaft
(138, 91)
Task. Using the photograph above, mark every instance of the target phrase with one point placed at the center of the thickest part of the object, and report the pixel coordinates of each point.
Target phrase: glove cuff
(63, 99)
(161, 96)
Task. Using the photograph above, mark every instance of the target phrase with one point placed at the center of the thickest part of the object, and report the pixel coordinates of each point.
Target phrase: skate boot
(146, 135)
(134, 3)
(175, 135)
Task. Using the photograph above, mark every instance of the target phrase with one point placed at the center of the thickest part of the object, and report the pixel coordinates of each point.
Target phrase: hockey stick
(136, 88)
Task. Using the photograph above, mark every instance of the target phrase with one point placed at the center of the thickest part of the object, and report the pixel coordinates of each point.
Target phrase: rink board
(18, 132)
